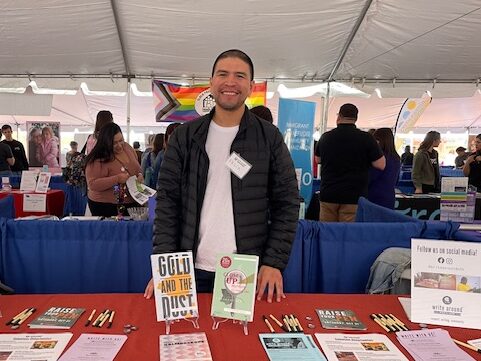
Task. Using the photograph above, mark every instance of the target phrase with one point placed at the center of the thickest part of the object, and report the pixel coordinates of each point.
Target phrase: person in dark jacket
(382, 183)
(209, 208)
(21, 162)
(407, 157)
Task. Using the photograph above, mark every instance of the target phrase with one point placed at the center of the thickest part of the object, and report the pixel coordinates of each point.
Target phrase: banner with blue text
(296, 123)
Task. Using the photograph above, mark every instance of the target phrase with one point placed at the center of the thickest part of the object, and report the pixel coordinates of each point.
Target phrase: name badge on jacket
(238, 165)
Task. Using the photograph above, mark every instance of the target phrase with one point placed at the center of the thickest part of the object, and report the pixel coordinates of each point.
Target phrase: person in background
(168, 132)
(472, 166)
(151, 164)
(136, 146)
(157, 161)
(372, 131)
(425, 172)
(18, 151)
(148, 147)
(6, 159)
(103, 117)
(461, 158)
(263, 113)
(34, 142)
(73, 151)
(110, 163)
(382, 183)
(202, 205)
(47, 153)
(346, 154)
(407, 157)
(148, 162)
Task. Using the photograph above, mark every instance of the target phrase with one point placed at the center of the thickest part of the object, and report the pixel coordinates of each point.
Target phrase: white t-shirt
(216, 228)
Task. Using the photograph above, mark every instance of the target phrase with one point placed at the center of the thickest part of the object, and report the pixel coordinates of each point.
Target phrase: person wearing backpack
(150, 161)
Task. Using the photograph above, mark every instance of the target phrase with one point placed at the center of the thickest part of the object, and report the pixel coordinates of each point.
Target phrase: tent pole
(349, 40)
(128, 109)
(325, 110)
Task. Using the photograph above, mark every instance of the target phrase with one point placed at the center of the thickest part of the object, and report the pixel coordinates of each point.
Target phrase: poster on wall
(43, 144)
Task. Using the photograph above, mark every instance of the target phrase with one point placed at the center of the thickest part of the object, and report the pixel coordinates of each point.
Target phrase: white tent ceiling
(402, 47)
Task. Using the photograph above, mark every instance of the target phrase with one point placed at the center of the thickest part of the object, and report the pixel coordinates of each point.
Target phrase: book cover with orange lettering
(340, 319)
(57, 317)
(174, 286)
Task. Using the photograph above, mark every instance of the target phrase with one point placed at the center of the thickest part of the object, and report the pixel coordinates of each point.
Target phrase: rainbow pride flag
(180, 103)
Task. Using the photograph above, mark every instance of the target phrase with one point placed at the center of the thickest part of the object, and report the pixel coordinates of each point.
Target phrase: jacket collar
(201, 131)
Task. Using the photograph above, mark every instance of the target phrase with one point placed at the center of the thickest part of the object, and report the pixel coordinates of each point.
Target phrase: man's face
(231, 85)
(7, 133)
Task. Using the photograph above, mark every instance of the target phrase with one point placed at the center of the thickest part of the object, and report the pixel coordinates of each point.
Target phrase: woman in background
(382, 183)
(158, 161)
(472, 166)
(103, 117)
(425, 172)
(47, 152)
(110, 163)
(34, 141)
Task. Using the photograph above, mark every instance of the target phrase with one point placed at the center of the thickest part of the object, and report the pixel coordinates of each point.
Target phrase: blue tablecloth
(336, 257)
(108, 256)
(75, 199)
(450, 172)
(75, 256)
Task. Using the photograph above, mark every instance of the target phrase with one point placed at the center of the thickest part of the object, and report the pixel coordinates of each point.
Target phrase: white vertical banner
(411, 111)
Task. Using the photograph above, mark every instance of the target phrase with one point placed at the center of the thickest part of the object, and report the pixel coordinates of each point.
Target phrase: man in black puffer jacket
(210, 208)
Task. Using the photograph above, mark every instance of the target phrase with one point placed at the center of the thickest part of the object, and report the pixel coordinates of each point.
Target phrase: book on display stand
(174, 288)
(234, 289)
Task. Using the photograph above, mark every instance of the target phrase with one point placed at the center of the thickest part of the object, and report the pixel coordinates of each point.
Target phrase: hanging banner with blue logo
(296, 123)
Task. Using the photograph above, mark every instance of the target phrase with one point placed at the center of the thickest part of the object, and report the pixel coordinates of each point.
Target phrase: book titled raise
(57, 317)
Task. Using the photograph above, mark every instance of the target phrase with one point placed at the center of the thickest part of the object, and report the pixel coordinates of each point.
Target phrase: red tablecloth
(54, 205)
(226, 343)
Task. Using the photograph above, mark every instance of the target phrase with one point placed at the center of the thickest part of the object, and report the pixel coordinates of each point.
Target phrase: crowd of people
(368, 165)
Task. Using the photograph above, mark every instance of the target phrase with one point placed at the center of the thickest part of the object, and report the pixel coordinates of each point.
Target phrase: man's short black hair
(235, 53)
(5, 127)
(136, 145)
(349, 111)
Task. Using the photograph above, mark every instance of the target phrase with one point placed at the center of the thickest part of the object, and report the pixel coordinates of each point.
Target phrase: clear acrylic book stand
(218, 321)
(194, 320)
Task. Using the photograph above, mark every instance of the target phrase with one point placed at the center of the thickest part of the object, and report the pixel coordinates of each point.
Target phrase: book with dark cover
(57, 317)
(340, 319)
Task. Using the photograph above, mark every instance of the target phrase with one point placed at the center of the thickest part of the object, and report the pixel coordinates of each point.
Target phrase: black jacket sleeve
(283, 205)
(24, 157)
(167, 223)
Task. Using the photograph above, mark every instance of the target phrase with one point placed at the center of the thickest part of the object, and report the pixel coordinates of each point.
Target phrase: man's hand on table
(270, 278)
